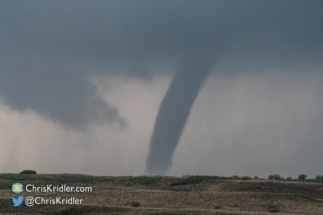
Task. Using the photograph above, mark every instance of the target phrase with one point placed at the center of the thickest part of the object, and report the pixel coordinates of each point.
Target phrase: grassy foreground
(169, 195)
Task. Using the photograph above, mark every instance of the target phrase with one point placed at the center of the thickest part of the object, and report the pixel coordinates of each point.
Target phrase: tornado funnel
(174, 111)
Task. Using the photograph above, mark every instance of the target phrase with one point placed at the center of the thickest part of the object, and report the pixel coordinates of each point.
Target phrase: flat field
(169, 195)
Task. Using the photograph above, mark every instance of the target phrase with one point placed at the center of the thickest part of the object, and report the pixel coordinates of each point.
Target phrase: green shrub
(319, 177)
(256, 177)
(28, 172)
(246, 178)
(289, 178)
(217, 207)
(275, 177)
(302, 177)
(197, 179)
(135, 204)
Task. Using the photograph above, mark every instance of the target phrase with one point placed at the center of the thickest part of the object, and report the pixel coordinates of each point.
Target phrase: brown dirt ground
(170, 195)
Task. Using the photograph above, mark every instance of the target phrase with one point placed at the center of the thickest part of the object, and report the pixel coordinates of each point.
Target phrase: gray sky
(82, 81)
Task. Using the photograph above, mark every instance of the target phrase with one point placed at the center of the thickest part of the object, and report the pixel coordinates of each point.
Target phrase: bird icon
(17, 201)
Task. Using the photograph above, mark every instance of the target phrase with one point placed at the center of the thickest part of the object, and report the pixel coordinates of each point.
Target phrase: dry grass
(171, 195)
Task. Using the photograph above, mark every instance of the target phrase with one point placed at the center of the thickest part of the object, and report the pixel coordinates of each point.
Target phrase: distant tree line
(279, 177)
(301, 177)
(236, 177)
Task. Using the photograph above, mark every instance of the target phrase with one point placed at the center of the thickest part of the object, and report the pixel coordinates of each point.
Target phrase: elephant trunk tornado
(173, 113)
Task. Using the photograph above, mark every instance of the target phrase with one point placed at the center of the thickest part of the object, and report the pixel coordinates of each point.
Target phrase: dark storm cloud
(135, 29)
(50, 49)
(56, 89)
(128, 32)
